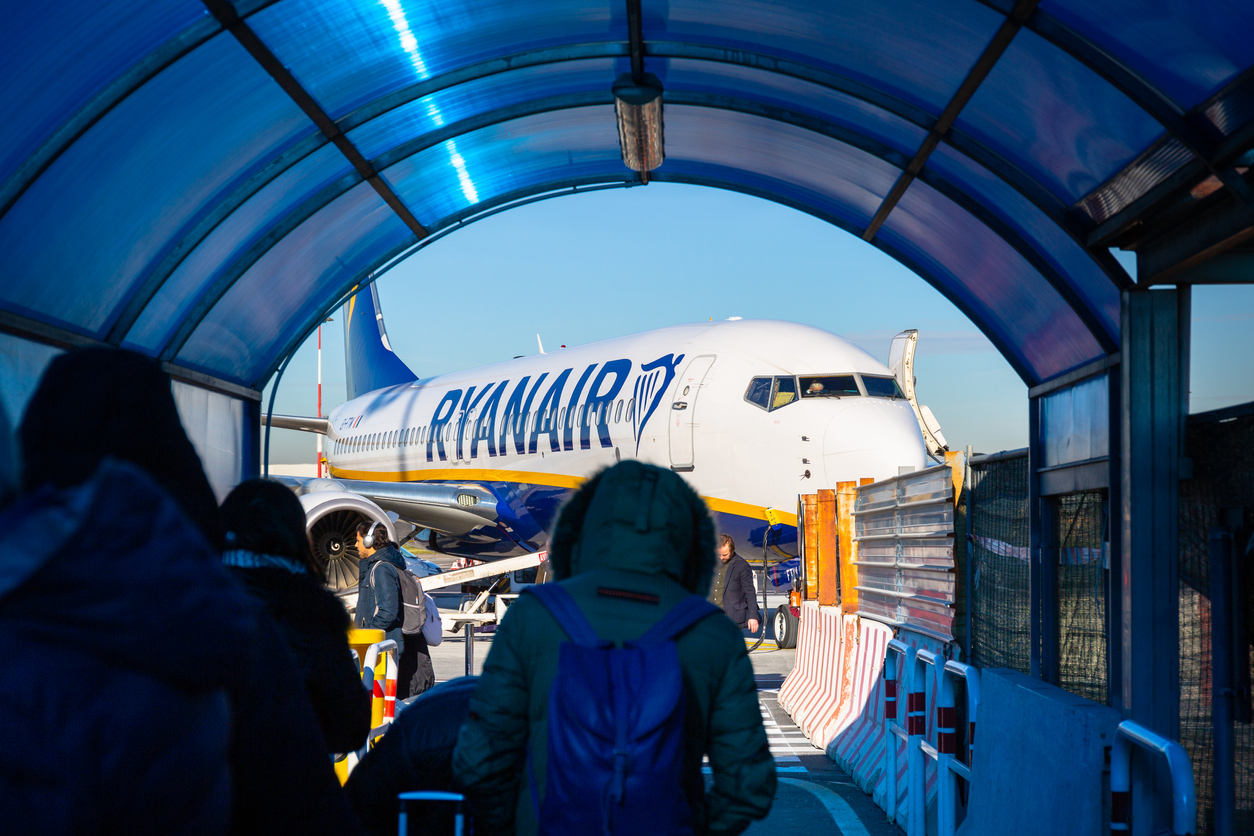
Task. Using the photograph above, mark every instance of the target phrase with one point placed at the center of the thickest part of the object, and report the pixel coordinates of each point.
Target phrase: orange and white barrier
(810, 692)
(383, 691)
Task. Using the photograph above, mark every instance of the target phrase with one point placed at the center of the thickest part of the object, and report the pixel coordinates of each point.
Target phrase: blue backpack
(616, 727)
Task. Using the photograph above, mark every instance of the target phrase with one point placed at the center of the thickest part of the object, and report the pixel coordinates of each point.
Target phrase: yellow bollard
(360, 640)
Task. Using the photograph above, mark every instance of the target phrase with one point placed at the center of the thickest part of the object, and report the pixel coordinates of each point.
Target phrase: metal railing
(1183, 791)
(915, 664)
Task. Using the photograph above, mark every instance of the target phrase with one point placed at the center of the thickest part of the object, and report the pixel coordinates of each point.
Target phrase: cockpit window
(785, 392)
(759, 392)
(829, 386)
(882, 387)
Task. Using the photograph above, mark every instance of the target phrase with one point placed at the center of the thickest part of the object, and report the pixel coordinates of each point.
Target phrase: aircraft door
(683, 411)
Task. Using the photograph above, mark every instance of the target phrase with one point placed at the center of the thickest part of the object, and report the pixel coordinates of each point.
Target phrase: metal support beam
(1154, 396)
(1114, 533)
(1231, 267)
(1005, 34)
(230, 20)
(635, 35)
(1042, 560)
(1192, 242)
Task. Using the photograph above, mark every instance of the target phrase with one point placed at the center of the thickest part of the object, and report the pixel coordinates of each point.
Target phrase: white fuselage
(674, 397)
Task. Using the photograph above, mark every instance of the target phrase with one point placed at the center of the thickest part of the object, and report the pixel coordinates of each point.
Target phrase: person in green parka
(628, 546)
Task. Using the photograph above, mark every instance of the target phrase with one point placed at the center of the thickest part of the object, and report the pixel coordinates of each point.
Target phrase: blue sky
(589, 267)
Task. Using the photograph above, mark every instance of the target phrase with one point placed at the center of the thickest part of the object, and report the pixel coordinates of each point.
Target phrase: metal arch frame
(130, 310)
(1068, 293)
(386, 262)
(550, 189)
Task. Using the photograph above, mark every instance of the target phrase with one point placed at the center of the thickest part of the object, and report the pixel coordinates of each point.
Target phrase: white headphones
(368, 540)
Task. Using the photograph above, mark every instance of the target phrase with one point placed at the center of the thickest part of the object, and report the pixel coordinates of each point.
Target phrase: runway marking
(844, 816)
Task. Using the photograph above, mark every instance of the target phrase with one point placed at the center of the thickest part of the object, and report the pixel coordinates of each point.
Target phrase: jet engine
(331, 517)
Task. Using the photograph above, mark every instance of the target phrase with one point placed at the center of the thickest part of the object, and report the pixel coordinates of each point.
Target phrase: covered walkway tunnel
(203, 182)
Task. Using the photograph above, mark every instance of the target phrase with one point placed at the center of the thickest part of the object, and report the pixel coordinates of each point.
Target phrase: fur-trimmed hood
(639, 518)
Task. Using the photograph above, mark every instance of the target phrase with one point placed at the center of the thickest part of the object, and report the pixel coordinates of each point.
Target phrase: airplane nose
(872, 437)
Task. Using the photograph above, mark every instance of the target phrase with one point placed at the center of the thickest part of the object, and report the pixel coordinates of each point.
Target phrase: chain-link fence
(1080, 544)
(997, 503)
(1221, 492)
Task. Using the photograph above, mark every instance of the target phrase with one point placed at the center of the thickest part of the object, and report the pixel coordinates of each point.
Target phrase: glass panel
(279, 295)
(785, 392)
(108, 209)
(791, 93)
(917, 50)
(458, 174)
(828, 386)
(1056, 119)
(798, 165)
(347, 53)
(216, 427)
(882, 387)
(241, 230)
(1053, 244)
(446, 107)
(973, 266)
(1075, 422)
(56, 59)
(22, 364)
(1188, 50)
(759, 392)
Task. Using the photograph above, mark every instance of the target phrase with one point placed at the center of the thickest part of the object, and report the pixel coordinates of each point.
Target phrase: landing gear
(785, 627)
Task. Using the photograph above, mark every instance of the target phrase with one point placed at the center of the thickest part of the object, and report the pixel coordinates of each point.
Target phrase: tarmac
(814, 795)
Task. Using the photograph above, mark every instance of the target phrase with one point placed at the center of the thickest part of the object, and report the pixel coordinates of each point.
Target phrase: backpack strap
(682, 616)
(566, 612)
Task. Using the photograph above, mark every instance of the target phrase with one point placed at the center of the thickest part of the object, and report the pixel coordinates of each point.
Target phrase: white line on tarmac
(844, 816)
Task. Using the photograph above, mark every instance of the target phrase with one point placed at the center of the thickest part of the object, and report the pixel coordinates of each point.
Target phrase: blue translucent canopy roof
(202, 182)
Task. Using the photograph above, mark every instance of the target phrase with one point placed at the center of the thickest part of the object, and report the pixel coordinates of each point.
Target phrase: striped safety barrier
(802, 672)
(814, 705)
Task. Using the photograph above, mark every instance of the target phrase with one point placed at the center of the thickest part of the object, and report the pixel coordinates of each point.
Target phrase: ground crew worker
(733, 586)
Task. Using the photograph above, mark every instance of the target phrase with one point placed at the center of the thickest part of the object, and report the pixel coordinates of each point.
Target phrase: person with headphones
(379, 607)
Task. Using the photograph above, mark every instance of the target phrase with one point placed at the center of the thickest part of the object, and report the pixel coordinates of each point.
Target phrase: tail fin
(369, 363)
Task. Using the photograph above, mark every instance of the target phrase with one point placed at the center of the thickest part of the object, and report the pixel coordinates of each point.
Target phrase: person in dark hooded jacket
(379, 607)
(174, 706)
(268, 551)
(630, 545)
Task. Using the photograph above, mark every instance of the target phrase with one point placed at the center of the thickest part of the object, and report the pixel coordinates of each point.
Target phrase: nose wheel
(785, 627)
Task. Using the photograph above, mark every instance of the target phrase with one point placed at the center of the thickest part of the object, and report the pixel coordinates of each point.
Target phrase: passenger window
(631, 408)
(785, 392)
(618, 412)
(829, 386)
(759, 392)
(882, 387)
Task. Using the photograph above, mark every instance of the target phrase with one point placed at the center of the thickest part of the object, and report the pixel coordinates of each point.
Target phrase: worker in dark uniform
(732, 588)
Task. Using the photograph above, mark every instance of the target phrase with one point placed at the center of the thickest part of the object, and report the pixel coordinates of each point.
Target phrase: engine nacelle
(331, 518)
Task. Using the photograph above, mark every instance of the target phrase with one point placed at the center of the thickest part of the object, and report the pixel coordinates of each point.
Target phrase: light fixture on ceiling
(638, 107)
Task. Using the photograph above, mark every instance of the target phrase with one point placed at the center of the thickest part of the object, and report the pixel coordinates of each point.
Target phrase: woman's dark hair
(97, 402)
(265, 517)
(380, 533)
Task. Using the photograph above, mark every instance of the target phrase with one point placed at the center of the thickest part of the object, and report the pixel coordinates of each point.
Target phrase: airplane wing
(298, 422)
(453, 508)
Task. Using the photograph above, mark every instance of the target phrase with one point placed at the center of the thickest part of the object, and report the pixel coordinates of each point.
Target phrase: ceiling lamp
(638, 107)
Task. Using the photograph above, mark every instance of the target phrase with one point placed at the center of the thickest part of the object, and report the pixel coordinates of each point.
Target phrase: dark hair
(726, 540)
(94, 403)
(263, 516)
(380, 533)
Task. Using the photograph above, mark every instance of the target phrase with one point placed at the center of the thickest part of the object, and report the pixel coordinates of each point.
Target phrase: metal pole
(1222, 684)
(319, 435)
(470, 648)
(970, 552)
(270, 413)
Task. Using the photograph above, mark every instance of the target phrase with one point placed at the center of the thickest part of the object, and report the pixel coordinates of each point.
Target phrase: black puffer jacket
(314, 626)
(415, 754)
(120, 640)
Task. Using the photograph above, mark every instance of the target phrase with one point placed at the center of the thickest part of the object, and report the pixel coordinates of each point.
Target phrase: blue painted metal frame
(1056, 280)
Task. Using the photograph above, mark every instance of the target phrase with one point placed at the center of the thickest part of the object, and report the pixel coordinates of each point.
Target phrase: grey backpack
(412, 600)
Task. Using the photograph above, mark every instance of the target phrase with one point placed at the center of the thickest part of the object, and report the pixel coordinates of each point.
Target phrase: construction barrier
(380, 681)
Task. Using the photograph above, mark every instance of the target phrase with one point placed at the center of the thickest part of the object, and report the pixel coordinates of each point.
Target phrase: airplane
(751, 413)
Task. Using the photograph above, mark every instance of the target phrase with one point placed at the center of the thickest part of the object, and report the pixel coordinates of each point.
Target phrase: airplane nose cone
(872, 437)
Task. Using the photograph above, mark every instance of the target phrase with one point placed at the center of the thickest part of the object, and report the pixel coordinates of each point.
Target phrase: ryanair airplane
(750, 412)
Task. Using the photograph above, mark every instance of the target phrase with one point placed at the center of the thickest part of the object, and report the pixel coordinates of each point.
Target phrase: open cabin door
(684, 409)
